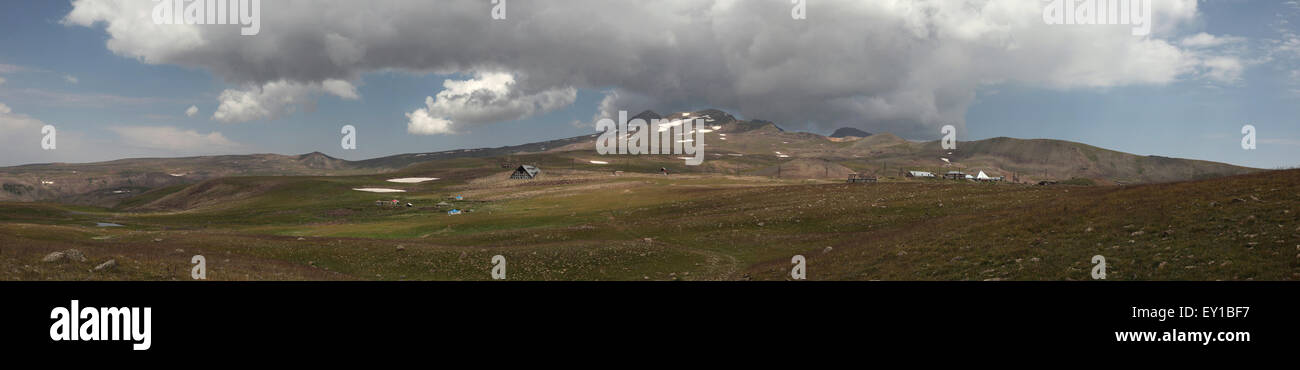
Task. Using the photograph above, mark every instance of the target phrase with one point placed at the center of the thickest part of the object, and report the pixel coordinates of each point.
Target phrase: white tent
(982, 176)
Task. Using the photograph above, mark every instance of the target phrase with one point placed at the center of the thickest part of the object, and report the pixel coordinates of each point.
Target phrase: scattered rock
(301, 238)
(1088, 230)
(107, 266)
(1225, 263)
(75, 255)
(902, 253)
(1035, 259)
(1136, 233)
(178, 250)
(827, 250)
(401, 247)
(60, 257)
(1162, 265)
(156, 240)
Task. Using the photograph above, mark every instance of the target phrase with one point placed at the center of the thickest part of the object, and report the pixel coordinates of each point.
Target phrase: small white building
(985, 177)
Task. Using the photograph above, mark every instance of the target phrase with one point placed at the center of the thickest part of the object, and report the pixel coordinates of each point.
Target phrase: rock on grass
(54, 257)
(67, 255)
(107, 266)
(75, 255)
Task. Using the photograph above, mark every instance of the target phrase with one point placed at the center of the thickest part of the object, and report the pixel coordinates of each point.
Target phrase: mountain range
(733, 147)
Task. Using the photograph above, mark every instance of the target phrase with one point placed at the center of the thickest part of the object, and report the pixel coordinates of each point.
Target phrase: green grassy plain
(580, 222)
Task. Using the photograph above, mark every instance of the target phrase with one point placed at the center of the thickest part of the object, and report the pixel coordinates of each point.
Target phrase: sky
(422, 76)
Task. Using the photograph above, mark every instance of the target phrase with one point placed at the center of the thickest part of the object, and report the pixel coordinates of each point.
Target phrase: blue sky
(66, 74)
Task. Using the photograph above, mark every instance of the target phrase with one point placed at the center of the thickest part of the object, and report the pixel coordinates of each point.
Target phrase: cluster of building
(956, 175)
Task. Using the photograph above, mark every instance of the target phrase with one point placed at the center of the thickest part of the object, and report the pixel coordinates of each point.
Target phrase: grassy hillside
(588, 224)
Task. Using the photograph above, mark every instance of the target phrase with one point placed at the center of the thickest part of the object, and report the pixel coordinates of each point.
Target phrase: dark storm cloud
(907, 67)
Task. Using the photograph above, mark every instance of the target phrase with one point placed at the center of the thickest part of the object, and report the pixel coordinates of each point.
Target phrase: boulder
(63, 256)
(54, 257)
(75, 255)
(107, 266)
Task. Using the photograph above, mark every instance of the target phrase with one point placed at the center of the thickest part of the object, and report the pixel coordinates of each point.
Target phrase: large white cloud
(130, 23)
(888, 65)
(276, 99)
(420, 122)
(486, 98)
